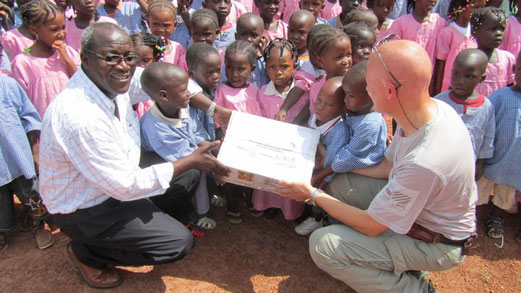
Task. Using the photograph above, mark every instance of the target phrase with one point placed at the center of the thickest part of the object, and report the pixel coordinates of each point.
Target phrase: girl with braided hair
(150, 49)
(85, 11)
(488, 26)
(44, 68)
(453, 39)
(512, 38)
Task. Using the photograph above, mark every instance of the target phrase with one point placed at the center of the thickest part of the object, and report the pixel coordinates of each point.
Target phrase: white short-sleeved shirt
(432, 179)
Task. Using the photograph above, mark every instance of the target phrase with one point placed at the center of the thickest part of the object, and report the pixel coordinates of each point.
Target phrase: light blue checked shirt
(128, 17)
(364, 145)
(505, 165)
(18, 117)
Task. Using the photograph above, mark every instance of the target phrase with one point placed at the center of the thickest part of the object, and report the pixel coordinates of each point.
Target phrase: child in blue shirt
(127, 14)
(356, 141)
(168, 129)
(502, 172)
(475, 110)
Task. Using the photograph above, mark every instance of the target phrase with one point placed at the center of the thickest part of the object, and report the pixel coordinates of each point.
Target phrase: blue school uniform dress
(505, 165)
(365, 143)
(128, 16)
(18, 118)
(478, 116)
(182, 35)
(225, 37)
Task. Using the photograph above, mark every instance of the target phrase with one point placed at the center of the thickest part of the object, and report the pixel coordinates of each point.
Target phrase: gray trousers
(375, 264)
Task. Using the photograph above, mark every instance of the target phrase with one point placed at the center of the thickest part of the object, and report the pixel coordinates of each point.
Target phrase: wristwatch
(211, 110)
(314, 196)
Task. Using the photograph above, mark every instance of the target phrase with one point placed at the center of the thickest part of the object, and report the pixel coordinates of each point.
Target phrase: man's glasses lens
(116, 59)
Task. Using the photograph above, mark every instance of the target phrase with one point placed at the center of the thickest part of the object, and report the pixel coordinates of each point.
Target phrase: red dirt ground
(252, 257)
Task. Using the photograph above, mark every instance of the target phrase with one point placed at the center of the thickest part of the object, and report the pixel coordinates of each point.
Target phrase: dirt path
(252, 257)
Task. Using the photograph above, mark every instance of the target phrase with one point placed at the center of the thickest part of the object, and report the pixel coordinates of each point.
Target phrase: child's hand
(222, 116)
(61, 47)
(281, 115)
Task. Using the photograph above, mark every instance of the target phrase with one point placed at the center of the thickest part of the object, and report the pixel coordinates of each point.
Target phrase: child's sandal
(197, 232)
(234, 218)
(494, 227)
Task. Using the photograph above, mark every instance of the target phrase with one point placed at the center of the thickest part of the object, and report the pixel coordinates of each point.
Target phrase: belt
(421, 233)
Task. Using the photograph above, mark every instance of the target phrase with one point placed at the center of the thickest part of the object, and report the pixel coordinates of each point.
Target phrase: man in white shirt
(422, 216)
(90, 178)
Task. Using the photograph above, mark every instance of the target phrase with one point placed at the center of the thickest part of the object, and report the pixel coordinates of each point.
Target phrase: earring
(37, 37)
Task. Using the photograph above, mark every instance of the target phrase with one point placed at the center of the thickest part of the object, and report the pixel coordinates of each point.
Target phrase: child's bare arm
(302, 117)
(439, 69)
(221, 116)
(293, 96)
(318, 179)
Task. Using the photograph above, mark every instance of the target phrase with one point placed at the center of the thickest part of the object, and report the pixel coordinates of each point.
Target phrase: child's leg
(232, 193)
(248, 195)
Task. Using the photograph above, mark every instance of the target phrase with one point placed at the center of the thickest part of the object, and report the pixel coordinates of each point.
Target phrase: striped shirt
(18, 117)
(505, 165)
(479, 121)
(88, 155)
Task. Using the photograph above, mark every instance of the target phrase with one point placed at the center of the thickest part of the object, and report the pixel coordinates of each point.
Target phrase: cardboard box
(262, 151)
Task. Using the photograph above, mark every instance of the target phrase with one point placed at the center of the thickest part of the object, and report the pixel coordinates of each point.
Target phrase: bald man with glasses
(415, 210)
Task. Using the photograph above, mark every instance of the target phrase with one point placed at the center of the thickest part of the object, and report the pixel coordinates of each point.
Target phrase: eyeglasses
(115, 59)
(375, 48)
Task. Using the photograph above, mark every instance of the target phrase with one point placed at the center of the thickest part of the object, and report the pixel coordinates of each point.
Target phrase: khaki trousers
(375, 264)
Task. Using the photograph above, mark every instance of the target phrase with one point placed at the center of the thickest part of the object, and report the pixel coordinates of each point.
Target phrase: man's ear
(391, 90)
(83, 58)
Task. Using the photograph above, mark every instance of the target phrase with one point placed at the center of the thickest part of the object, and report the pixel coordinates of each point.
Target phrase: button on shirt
(88, 155)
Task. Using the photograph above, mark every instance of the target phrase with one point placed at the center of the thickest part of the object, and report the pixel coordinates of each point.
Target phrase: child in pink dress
(281, 62)
(273, 28)
(85, 15)
(44, 69)
(453, 39)
(236, 10)
(162, 22)
(237, 94)
(382, 9)
(331, 9)
(16, 40)
(146, 46)
(488, 25)
(331, 48)
(512, 38)
(287, 7)
(421, 26)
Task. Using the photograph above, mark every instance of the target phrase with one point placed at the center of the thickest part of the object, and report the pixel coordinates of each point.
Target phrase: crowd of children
(268, 58)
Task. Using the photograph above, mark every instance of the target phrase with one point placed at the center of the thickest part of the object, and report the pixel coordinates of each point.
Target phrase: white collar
(462, 30)
(272, 91)
(324, 128)
(176, 122)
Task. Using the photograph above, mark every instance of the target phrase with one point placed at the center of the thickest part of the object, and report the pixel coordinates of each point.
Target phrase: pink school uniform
(73, 37)
(425, 34)
(238, 99)
(177, 55)
(280, 32)
(330, 10)
(142, 107)
(270, 101)
(512, 37)
(42, 78)
(499, 74)
(452, 40)
(236, 10)
(14, 43)
(287, 7)
(248, 4)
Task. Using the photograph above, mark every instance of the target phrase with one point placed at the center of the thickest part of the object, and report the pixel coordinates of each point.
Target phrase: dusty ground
(252, 257)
